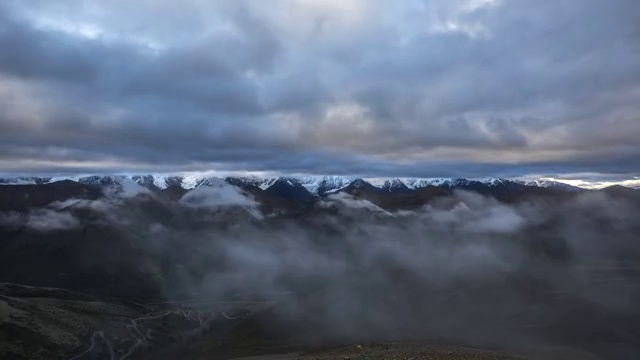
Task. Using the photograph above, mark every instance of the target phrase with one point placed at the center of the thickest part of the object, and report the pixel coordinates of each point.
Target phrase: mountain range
(314, 185)
(289, 194)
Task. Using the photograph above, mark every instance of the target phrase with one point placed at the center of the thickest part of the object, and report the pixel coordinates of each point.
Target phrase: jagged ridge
(315, 185)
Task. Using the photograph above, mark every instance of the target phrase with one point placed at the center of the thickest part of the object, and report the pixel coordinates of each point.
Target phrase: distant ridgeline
(315, 185)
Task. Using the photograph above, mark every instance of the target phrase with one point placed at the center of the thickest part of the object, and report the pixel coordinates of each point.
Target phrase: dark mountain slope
(24, 197)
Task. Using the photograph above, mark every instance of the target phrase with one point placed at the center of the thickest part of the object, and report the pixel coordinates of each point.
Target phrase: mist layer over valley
(539, 275)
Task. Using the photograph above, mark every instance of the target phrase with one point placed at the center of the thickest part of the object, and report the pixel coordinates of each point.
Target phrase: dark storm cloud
(431, 88)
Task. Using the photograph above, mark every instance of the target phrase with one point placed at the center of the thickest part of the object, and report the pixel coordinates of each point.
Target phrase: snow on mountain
(316, 185)
(359, 184)
(493, 181)
(413, 183)
(388, 185)
(209, 182)
(165, 181)
(319, 185)
(416, 183)
(547, 183)
(153, 181)
(145, 181)
(377, 182)
(401, 184)
(265, 184)
(262, 183)
(394, 185)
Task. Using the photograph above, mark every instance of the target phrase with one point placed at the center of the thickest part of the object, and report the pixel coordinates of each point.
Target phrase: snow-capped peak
(387, 184)
(492, 181)
(547, 183)
(318, 185)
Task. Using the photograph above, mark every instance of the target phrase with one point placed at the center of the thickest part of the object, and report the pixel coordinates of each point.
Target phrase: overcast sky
(427, 88)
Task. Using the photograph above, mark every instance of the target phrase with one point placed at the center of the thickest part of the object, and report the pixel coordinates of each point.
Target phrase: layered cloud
(421, 88)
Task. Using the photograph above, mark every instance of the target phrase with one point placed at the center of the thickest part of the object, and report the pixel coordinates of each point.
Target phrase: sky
(433, 88)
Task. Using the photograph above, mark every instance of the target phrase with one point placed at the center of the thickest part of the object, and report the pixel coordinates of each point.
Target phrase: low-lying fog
(465, 267)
